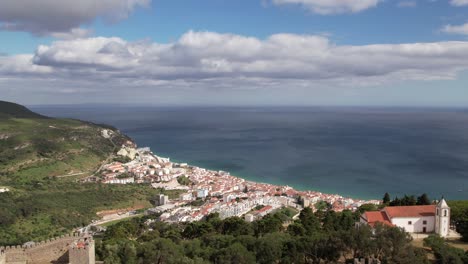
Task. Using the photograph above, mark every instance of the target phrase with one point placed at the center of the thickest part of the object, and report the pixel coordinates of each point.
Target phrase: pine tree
(386, 199)
(423, 200)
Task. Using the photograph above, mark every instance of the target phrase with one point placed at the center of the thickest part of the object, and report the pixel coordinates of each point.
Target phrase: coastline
(254, 179)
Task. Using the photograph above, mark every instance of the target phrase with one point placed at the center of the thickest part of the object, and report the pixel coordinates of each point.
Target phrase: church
(413, 219)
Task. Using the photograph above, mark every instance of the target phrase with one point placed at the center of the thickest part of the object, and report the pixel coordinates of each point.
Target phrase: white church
(413, 219)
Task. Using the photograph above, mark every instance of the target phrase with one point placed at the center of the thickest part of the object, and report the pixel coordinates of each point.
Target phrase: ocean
(355, 152)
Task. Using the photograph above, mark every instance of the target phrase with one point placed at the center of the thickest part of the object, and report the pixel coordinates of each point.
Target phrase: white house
(413, 219)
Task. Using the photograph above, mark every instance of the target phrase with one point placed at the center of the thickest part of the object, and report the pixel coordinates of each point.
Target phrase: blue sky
(183, 52)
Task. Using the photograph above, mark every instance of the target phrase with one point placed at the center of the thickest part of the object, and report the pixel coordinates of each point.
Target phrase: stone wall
(82, 251)
(2, 257)
(54, 250)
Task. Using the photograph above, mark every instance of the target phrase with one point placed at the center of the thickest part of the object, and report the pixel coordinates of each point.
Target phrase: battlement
(56, 250)
(40, 243)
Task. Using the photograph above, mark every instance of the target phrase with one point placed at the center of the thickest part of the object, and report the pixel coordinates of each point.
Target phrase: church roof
(374, 217)
(443, 204)
(410, 211)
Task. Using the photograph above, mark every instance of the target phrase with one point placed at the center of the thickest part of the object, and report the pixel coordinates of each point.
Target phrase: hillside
(12, 110)
(41, 159)
(33, 146)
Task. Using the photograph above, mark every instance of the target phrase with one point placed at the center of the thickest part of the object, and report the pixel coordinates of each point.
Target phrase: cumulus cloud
(48, 17)
(459, 2)
(203, 55)
(208, 60)
(326, 7)
(460, 29)
(22, 66)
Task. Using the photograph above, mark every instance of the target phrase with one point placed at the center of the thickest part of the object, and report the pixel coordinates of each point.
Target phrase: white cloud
(459, 2)
(326, 7)
(48, 17)
(22, 66)
(208, 60)
(460, 29)
(203, 55)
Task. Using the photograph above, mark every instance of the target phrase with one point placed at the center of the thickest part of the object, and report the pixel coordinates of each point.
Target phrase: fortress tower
(442, 218)
(82, 251)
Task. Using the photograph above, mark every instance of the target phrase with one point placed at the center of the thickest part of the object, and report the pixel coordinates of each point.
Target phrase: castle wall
(2, 257)
(53, 250)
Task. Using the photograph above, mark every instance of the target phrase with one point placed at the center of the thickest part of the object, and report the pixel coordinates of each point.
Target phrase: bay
(352, 151)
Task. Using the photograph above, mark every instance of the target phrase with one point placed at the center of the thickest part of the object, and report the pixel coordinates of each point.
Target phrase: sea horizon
(366, 155)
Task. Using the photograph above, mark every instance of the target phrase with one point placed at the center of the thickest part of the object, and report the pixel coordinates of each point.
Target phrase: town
(203, 191)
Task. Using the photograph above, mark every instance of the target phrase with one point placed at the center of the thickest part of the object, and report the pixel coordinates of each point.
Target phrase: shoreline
(256, 180)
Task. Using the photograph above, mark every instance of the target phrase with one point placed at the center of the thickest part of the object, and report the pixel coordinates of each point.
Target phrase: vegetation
(445, 253)
(459, 217)
(406, 200)
(54, 208)
(326, 237)
(12, 110)
(184, 180)
(40, 161)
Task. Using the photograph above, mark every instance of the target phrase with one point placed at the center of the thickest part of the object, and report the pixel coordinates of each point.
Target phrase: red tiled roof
(410, 211)
(264, 209)
(377, 217)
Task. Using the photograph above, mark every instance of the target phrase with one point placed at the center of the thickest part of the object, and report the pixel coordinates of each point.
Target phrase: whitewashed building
(413, 219)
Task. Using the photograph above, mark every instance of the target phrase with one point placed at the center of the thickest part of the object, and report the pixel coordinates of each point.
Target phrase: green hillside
(34, 147)
(41, 161)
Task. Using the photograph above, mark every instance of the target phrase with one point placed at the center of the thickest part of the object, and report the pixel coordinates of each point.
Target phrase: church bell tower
(442, 218)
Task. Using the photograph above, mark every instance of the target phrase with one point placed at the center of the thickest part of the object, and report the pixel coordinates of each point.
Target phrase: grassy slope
(33, 151)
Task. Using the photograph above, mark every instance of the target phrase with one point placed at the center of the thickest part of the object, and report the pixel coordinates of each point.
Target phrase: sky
(238, 52)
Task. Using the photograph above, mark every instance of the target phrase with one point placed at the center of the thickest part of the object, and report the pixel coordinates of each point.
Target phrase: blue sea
(356, 152)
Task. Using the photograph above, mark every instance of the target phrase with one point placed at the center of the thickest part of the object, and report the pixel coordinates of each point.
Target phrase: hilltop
(12, 110)
(41, 161)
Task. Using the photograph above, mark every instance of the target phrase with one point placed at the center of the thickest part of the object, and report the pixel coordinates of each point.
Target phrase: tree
(269, 249)
(268, 224)
(110, 254)
(235, 253)
(423, 200)
(184, 180)
(367, 207)
(235, 226)
(386, 199)
(395, 202)
(309, 221)
(408, 200)
(459, 216)
(443, 252)
(128, 253)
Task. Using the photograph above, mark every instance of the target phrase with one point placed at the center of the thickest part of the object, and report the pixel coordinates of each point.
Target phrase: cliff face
(33, 146)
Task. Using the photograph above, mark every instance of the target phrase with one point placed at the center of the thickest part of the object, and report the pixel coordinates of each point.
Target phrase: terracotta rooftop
(377, 217)
(410, 211)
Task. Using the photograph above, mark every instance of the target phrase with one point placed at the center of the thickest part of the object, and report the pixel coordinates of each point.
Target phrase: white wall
(443, 225)
(416, 223)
